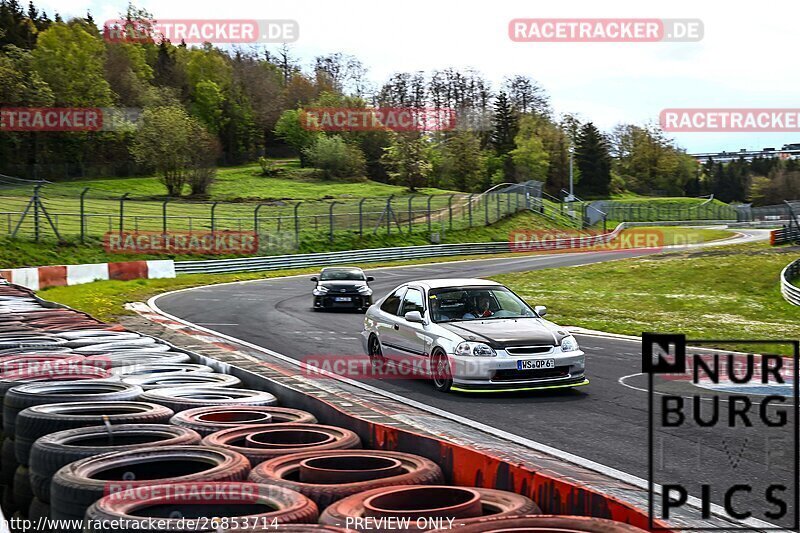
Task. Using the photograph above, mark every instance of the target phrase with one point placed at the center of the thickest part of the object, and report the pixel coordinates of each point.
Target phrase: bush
(335, 158)
(268, 167)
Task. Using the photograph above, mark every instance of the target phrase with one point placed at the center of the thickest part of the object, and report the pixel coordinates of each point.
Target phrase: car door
(411, 335)
(388, 327)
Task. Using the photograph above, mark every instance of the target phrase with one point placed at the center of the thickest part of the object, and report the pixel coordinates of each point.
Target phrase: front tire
(440, 371)
(376, 359)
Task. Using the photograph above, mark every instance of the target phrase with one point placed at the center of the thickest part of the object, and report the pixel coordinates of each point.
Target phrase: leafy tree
(335, 158)
(291, 129)
(527, 96)
(463, 163)
(207, 105)
(408, 161)
(593, 161)
(204, 151)
(166, 142)
(71, 59)
(530, 158)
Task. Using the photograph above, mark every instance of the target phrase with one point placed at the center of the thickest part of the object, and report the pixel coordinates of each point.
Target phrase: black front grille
(529, 350)
(526, 375)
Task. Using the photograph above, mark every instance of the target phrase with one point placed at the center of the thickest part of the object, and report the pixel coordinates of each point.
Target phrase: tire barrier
(86, 447)
(208, 420)
(261, 442)
(182, 379)
(56, 450)
(326, 477)
(159, 368)
(435, 502)
(182, 398)
(62, 275)
(76, 486)
(29, 394)
(545, 523)
(238, 503)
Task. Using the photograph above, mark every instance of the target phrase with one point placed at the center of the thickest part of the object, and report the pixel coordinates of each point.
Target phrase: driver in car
(483, 309)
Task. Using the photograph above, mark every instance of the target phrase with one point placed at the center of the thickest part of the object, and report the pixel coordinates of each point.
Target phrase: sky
(746, 59)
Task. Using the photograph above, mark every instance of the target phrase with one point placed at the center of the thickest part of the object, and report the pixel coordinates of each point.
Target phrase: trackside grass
(720, 292)
(106, 299)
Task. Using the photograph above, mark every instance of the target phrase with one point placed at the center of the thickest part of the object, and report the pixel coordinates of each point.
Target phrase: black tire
(441, 376)
(9, 507)
(182, 379)
(40, 420)
(51, 452)
(375, 353)
(182, 398)
(29, 394)
(38, 510)
(22, 489)
(8, 462)
(78, 485)
(208, 420)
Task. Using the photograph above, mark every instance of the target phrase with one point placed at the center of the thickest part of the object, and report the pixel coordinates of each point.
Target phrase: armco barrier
(791, 292)
(280, 262)
(60, 275)
(784, 235)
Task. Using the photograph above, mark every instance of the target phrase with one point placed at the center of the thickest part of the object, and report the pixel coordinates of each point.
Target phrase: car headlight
(569, 344)
(474, 349)
(319, 291)
(364, 289)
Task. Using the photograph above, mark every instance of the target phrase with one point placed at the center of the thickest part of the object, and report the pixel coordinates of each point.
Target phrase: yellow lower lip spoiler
(545, 387)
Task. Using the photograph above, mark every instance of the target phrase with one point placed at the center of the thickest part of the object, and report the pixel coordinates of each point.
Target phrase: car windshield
(340, 274)
(478, 303)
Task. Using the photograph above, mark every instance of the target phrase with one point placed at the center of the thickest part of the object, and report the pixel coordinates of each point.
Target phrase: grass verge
(719, 292)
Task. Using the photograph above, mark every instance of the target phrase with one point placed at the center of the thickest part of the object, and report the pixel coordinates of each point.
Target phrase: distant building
(787, 151)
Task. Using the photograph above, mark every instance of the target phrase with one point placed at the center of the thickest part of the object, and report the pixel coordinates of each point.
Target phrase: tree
(407, 160)
(71, 61)
(593, 161)
(204, 150)
(299, 135)
(505, 124)
(527, 96)
(165, 141)
(530, 158)
(463, 163)
(335, 158)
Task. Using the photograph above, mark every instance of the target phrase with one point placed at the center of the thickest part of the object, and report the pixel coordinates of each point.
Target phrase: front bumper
(501, 373)
(329, 301)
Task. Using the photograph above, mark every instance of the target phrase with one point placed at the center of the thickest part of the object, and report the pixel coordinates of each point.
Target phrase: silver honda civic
(471, 335)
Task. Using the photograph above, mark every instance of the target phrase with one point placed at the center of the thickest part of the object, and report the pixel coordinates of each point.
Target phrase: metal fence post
(83, 214)
(429, 212)
(36, 221)
(297, 224)
(213, 218)
(450, 209)
(255, 218)
(497, 197)
(330, 218)
(389, 214)
(410, 214)
(486, 208)
(469, 205)
(122, 212)
(361, 217)
(164, 217)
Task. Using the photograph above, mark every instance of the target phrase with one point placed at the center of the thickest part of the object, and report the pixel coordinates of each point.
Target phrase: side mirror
(540, 310)
(315, 279)
(414, 316)
(370, 278)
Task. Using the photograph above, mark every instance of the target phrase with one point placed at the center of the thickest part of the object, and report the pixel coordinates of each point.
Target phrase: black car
(342, 288)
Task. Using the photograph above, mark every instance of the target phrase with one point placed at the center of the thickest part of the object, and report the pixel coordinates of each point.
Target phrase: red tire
(265, 441)
(285, 472)
(493, 502)
(227, 504)
(78, 485)
(545, 523)
(210, 419)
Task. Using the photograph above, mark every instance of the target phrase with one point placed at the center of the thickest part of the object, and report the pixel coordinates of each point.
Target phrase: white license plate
(344, 299)
(535, 364)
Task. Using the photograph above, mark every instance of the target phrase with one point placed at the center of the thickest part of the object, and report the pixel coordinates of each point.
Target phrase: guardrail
(280, 262)
(791, 292)
(784, 235)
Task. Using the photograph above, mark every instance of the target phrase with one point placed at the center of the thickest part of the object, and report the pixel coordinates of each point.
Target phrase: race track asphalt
(605, 422)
